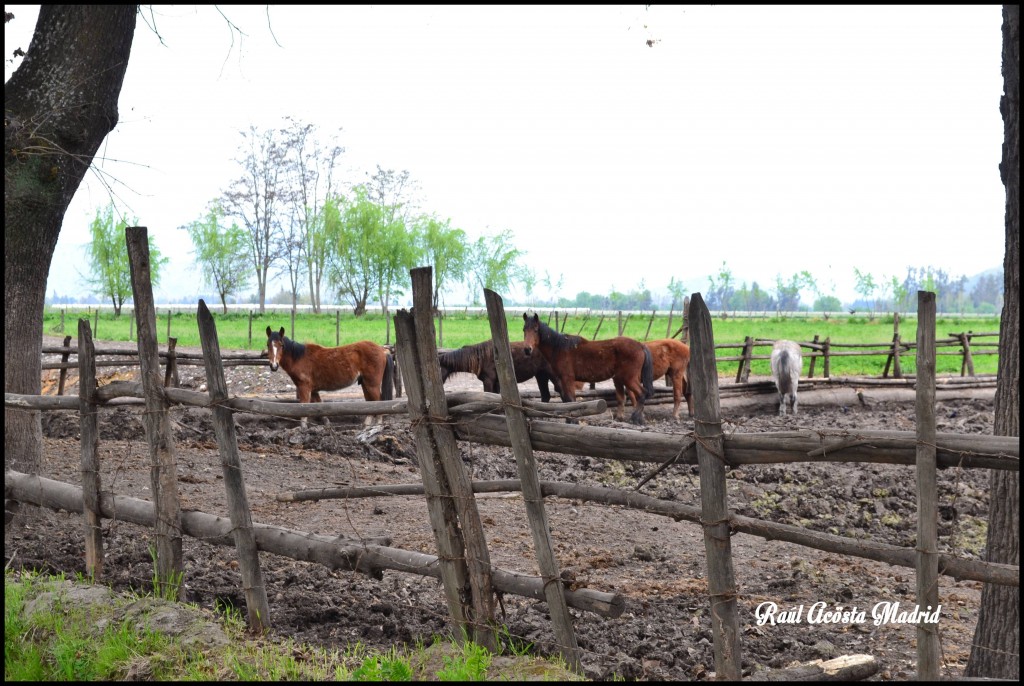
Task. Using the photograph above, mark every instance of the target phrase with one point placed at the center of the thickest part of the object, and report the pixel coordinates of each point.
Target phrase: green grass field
(464, 329)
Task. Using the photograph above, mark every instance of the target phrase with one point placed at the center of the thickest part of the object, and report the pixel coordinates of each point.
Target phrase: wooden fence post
(647, 334)
(168, 324)
(249, 345)
(522, 448)
(293, 322)
(894, 356)
(686, 320)
(743, 373)
(824, 354)
(810, 370)
(462, 547)
(90, 439)
(96, 322)
(967, 366)
(928, 647)
(713, 495)
(671, 310)
(337, 327)
(61, 329)
(64, 361)
(598, 329)
(159, 436)
(253, 588)
(171, 370)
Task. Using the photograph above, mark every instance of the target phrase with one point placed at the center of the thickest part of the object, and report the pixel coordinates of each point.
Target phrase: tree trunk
(996, 644)
(59, 106)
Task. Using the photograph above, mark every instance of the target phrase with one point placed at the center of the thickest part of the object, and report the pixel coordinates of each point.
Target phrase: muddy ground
(657, 564)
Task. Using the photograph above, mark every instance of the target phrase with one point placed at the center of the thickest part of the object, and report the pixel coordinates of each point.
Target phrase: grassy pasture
(464, 329)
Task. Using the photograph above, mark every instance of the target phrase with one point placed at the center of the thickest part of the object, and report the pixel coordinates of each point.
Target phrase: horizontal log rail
(483, 425)
(335, 553)
(949, 565)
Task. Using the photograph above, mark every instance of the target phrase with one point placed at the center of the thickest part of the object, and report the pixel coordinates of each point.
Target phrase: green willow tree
(443, 247)
(109, 274)
(494, 263)
(221, 254)
(372, 252)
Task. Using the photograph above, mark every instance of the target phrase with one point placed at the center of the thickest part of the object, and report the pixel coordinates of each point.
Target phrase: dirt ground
(656, 563)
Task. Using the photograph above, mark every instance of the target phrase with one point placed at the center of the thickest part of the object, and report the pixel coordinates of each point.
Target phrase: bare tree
(312, 166)
(995, 650)
(257, 196)
(59, 105)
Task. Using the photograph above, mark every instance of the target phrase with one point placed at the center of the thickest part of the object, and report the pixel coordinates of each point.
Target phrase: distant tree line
(288, 215)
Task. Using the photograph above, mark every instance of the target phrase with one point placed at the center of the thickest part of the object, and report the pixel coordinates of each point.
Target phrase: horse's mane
(557, 340)
(293, 348)
(468, 358)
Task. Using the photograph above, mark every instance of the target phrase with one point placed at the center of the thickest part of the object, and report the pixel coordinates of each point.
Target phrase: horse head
(275, 347)
(531, 333)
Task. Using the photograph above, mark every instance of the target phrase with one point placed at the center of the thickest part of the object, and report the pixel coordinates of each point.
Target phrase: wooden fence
(825, 350)
(440, 419)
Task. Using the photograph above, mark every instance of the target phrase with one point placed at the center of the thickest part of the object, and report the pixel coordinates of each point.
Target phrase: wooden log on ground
(844, 668)
(335, 553)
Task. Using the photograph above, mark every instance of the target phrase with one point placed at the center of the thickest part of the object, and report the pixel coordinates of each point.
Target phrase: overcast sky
(774, 139)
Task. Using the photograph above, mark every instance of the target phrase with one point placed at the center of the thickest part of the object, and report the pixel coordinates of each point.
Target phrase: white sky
(773, 138)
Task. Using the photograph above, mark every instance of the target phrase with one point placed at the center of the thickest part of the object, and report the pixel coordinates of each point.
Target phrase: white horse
(787, 362)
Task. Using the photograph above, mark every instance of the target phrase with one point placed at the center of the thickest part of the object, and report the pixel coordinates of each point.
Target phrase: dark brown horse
(672, 357)
(314, 368)
(478, 360)
(627, 362)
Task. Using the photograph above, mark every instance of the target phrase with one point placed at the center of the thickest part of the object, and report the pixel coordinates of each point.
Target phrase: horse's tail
(387, 384)
(647, 374)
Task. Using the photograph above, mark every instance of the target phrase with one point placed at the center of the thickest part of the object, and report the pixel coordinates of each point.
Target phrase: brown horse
(672, 357)
(478, 360)
(627, 362)
(314, 368)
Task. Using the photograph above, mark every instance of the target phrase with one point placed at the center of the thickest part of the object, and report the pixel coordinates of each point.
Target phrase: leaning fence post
(967, 365)
(234, 484)
(713, 495)
(533, 498)
(894, 357)
(928, 647)
(454, 518)
(743, 373)
(171, 370)
(164, 474)
(64, 363)
(89, 431)
(647, 334)
(249, 345)
(814, 358)
(825, 347)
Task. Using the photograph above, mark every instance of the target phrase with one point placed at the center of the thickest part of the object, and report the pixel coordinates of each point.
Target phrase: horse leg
(677, 393)
(315, 397)
(620, 397)
(302, 394)
(568, 395)
(638, 401)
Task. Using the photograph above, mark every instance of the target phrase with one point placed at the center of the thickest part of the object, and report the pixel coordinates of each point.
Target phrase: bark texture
(996, 647)
(58, 107)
